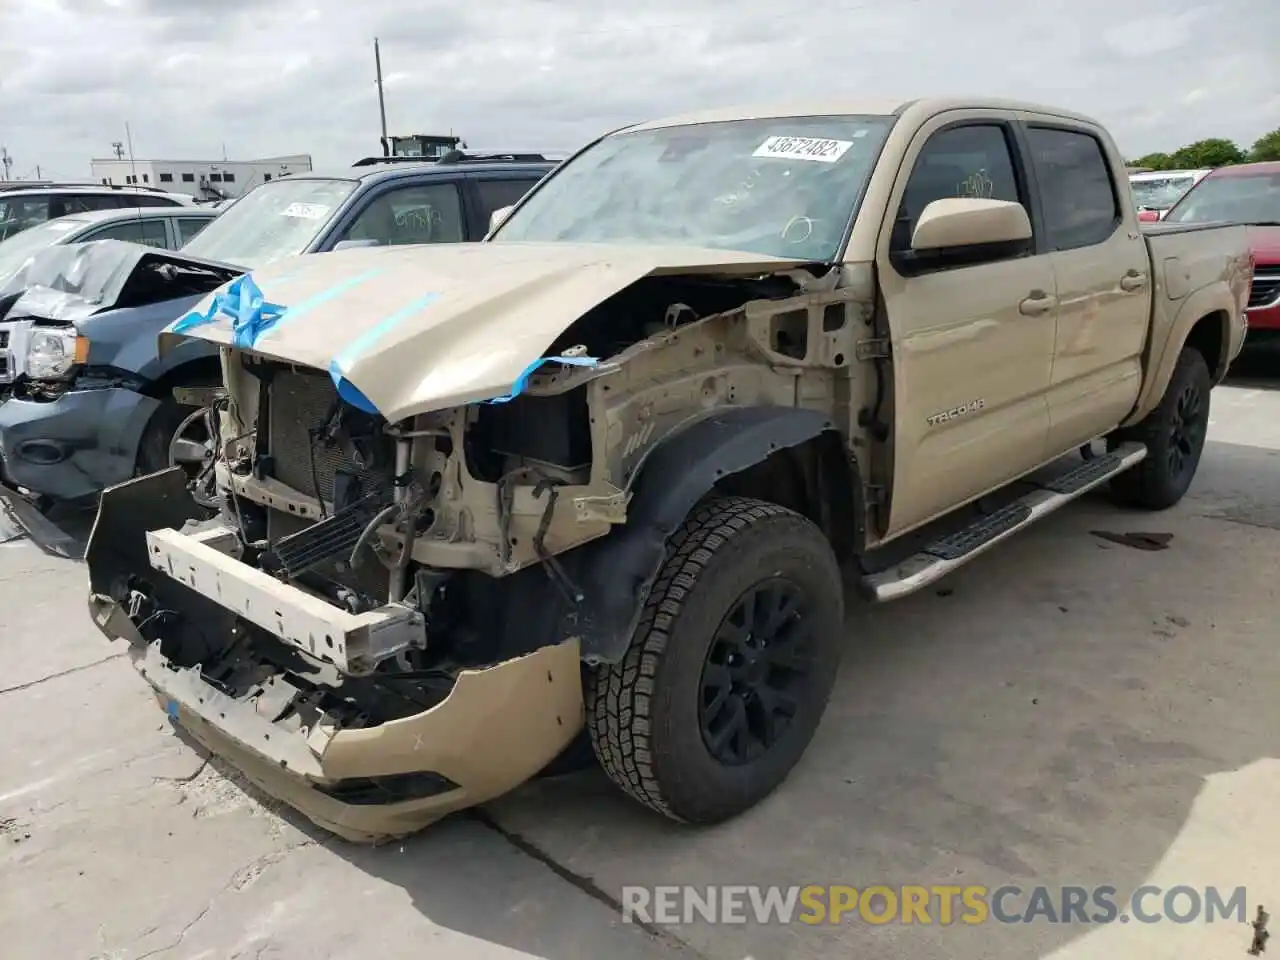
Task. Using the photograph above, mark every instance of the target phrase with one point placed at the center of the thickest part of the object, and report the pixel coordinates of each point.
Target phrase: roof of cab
(837, 107)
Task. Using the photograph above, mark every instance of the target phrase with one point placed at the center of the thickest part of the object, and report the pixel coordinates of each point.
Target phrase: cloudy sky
(266, 77)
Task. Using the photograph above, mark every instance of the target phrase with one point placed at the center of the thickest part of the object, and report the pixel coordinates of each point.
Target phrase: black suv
(378, 202)
(24, 206)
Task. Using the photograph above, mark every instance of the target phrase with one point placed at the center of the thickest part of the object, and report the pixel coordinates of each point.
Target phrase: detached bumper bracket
(354, 643)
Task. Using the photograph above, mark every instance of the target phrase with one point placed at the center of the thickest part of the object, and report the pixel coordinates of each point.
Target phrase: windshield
(1160, 194)
(1241, 197)
(19, 249)
(785, 187)
(274, 220)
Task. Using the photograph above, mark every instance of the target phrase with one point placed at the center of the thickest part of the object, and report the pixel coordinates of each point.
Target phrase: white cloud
(291, 76)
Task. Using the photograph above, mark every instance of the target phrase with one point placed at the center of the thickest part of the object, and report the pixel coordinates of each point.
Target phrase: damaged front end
(78, 368)
(388, 618)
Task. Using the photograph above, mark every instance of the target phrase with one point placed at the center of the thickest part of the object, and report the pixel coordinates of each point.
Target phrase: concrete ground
(1068, 710)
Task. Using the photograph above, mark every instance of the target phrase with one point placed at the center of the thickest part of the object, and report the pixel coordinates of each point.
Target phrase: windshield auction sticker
(307, 211)
(803, 148)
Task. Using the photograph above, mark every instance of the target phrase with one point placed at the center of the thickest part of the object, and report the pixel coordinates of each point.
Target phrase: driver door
(972, 342)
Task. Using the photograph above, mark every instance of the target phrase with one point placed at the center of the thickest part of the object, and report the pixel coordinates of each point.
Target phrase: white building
(202, 179)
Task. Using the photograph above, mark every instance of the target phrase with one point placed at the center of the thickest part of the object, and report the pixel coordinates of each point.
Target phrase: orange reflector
(82, 350)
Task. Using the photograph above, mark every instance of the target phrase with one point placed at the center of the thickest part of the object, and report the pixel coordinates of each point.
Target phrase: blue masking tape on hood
(252, 315)
(243, 302)
(522, 383)
(342, 362)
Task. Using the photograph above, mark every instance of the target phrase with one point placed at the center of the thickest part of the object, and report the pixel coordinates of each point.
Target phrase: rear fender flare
(616, 573)
(1213, 299)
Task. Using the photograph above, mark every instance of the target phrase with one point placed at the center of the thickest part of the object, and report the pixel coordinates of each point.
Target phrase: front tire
(730, 668)
(1174, 434)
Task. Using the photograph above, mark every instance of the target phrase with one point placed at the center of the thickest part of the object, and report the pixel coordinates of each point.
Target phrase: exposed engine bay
(447, 527)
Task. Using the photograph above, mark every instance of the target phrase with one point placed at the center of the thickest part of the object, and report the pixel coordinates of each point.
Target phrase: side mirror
(961, 222)
(496, 218)
(354, 244)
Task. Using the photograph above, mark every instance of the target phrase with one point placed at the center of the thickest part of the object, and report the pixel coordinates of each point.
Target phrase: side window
(971, 161)
(83, 203)
(150, 232)
(496, 194)
(188, 227)
(1079, 198)
(431, 213)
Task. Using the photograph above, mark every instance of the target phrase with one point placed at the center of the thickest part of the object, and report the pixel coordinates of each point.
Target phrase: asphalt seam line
(584, 884)
(61, 673)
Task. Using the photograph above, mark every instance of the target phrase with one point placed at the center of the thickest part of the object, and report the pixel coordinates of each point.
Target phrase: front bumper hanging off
(497, 727)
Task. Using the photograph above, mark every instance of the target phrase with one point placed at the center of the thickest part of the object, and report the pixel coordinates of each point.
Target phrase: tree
(1267, 147)
(1214, 152)
(1154, 161)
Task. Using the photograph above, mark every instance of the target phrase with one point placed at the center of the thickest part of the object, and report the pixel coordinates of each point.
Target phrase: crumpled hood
(422, 328)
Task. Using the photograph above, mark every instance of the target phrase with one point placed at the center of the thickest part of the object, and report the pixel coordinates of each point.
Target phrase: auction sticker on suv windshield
(307, 211)
(803, 148)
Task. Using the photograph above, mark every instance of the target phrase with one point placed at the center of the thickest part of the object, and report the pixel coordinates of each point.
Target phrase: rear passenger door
(1104, 286)
(150, 232)
(493, 193)
(973, 340)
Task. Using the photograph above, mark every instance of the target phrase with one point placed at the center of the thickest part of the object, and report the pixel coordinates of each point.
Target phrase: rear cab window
(1077, 191)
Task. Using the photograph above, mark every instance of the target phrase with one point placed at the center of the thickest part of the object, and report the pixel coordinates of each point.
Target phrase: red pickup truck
(1247, 193)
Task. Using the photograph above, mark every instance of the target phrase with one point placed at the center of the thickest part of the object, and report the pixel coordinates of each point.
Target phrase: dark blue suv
(448, 201)
(74, 424)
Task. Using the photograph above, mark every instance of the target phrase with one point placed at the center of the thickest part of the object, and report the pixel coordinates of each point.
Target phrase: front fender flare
(616, 573)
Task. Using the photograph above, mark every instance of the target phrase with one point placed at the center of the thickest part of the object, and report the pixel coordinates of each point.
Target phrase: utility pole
(382, 104)
(118, 147)
(133, 166)
(6, 162)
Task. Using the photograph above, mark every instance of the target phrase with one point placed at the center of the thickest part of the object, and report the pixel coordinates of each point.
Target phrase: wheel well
(815, 479)
(1207, 337)
(199, 372)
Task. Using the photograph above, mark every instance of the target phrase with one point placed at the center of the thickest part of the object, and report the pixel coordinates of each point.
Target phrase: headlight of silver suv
(53, 352)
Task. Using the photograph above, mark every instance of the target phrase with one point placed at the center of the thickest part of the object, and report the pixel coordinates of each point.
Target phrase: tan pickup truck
(595, 478)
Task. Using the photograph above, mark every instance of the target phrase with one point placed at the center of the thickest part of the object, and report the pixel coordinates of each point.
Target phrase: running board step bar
(944, 555)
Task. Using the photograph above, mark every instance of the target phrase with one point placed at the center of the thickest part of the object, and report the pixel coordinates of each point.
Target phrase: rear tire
(730, 669)
(1174, 434)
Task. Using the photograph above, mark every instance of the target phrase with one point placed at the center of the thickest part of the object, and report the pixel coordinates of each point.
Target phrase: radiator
(299, 403)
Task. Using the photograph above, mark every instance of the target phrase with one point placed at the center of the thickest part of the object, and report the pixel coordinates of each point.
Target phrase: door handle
(1037, 302)
(1133, 281)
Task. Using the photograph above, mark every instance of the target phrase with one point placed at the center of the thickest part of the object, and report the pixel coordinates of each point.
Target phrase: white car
(1157, 191)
